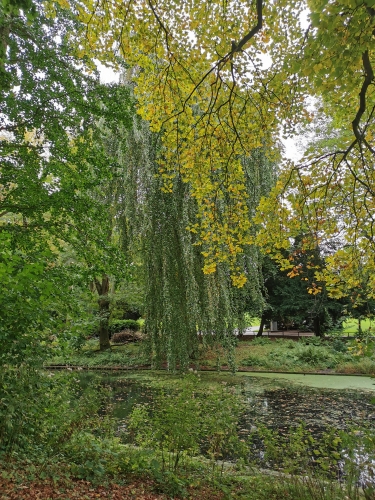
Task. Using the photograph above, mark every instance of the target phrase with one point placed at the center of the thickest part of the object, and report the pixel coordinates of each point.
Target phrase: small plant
(339, 345)
(183, 422)
(317, 341)
(311, 355)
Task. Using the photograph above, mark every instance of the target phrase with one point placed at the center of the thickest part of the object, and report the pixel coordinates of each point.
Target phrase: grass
(294, 356)
(351, 326)
(130, 354)
(307, 355)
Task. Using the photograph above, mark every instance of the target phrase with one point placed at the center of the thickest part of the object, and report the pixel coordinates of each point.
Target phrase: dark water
(278, 408)
(318, 409)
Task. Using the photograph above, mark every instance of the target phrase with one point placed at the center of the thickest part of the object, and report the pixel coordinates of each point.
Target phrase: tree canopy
(221, 79)
(53, 160)
(216, 85)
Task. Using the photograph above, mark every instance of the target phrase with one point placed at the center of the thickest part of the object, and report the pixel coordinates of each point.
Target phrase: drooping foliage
(221, 78)
(180, 299)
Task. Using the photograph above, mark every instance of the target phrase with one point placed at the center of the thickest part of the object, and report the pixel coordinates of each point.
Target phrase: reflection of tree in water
(282, 409)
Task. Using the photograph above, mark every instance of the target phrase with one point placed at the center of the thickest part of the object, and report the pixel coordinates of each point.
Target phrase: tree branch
(362, 101)
(237, 47)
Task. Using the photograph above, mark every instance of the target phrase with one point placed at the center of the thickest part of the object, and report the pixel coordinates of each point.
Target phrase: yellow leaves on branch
(211, 108)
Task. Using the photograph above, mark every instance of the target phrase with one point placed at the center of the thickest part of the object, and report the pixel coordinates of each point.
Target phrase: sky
(291, 152)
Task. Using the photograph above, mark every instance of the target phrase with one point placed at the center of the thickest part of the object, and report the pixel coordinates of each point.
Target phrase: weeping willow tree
(184, 306)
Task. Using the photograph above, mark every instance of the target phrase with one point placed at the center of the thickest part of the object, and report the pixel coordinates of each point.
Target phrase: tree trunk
(103, 302)
(317, 326)
(261, 326)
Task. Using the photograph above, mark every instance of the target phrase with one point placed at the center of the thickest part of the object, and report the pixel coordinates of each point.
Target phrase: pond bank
(224, 368)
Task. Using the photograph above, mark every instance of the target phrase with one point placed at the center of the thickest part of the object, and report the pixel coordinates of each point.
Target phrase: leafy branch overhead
(221, 79)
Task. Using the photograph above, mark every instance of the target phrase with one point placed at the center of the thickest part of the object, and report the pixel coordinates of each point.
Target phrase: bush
(183, 422)
(317, 341)
(39, 410)
(252, 361)
(339, 346)
(118, 325)
(311, 355)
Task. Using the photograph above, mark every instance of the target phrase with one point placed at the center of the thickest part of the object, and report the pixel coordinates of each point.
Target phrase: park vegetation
(146, 223)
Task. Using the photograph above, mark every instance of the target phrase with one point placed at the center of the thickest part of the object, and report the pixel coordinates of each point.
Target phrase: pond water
(279, 402)
(321, 381)
(275, 400)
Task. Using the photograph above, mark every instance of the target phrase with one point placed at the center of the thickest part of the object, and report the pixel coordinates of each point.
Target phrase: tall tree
(181, 300)
(216, 98)
(52, 160)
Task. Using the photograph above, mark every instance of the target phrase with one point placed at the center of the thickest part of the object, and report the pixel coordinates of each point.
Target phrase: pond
(278, 402)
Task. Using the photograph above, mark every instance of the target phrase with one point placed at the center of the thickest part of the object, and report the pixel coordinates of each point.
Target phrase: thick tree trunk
(103, 302)
(261, 326)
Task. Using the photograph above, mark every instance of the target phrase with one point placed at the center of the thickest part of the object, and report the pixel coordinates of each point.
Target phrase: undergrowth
(51, 427)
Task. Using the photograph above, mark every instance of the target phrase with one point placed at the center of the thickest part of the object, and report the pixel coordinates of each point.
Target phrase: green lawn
(351, 325)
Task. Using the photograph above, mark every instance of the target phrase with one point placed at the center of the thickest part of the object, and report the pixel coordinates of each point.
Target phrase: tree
(181, 301)
(295, 298)
(10, 13)
(52, 161)
(327, 199)
(215, 98)
(211, 111)
(111, 195)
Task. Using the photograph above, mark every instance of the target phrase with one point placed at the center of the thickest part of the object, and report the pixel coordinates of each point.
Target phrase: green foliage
(298, 451)
(92, 457)
(339, 345)
(129, 355)
(310, 355)
(36, 298)
(183, 422)
(261, 341)
(302, 355)
(40, 411)
(117, 325)
(290, 293)
(181, 300)
(53, 228)
(315, 341)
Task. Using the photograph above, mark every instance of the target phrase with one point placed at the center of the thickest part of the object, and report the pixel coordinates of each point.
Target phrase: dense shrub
(118, 325)
(186, 421)
(317, 341)
(339, 345)
(40, 410)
